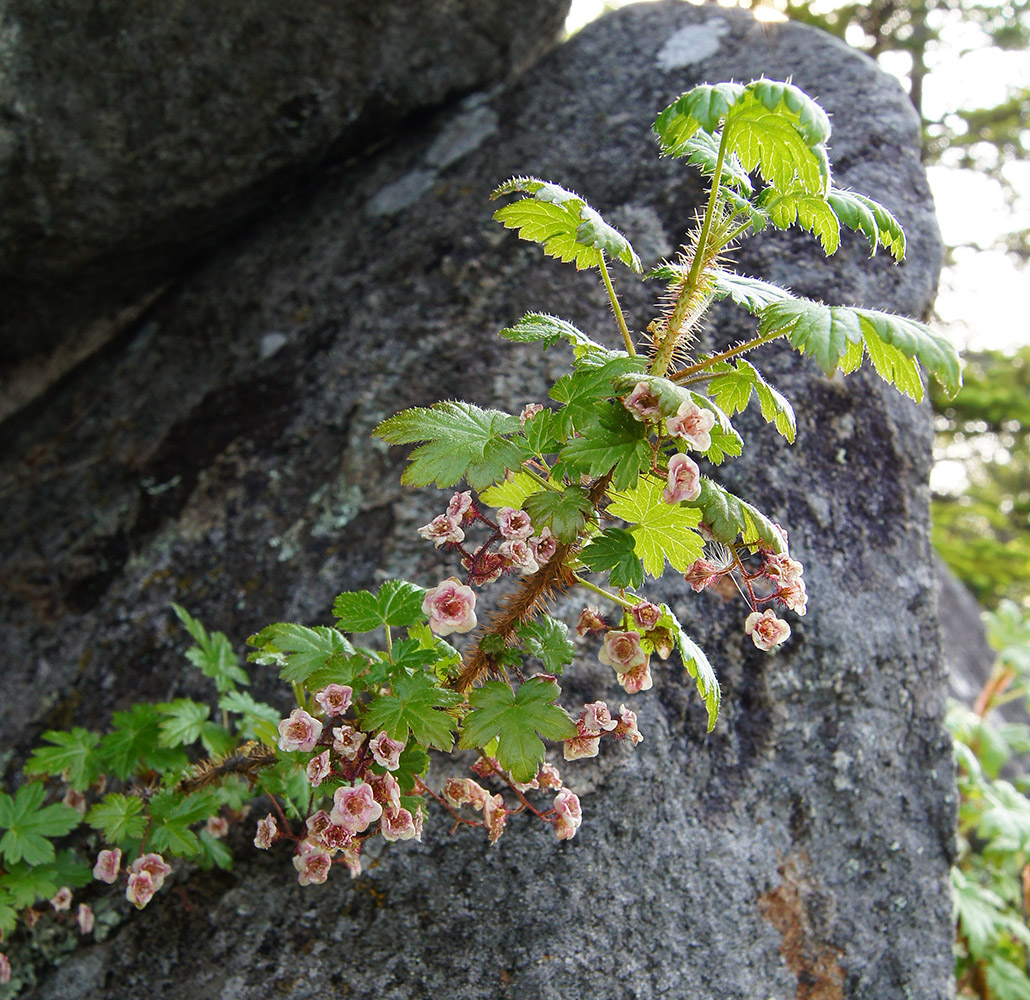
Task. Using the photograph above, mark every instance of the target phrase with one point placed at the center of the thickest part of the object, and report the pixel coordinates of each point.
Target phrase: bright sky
(980, 302)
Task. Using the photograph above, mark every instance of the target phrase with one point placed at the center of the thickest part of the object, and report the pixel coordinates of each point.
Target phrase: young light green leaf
(29, 825)
(732, 389)
(173, 813)
(565, 513)
(612, 442)
(540, 328)
(512, 492)
(517, 721)
(870, 218)
(460, 440)
(660, 530)
(821, 331)
(213, 655)
(118, 817)
(398, 604)
(615, 550)
(697, 665)
(810, 211)
(980, 913)
(181, 722)
(727, 517)
(306, 649)
(751, 293)
(548, 639)
(134, 742)
(214, 852)
(915, 340)
(702, 151)
(704, 107)
(564, 223)
(72, 753)
(416, 703)
(257, 721)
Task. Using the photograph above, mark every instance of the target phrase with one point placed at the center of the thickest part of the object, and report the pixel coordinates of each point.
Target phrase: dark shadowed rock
(133, 136)
(967, 653)
(219, 455)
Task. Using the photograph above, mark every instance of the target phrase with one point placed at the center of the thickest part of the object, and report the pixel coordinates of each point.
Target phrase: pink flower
(267, 831)
(63, 899)
(352, 858)
(583, 745)
(356, 807)
(643, 403)
(397, 824)
(347, 742)
(637, 679)
(794, 596)
(700, 574)
(317, 823)
(782, 569)
(217, 826)
(108, 865)
(766, 630)
(75, 799)
(386, 752)
(335, 838)
(590, 621)
(597, 719)
(548, 776)
(154, 865)
(628, 726)
(451, 607)
(494, 816)
(459, 504)
(483, 567)
(85, 919)
(543, 546)
(568, 814)
(518, 554)
(335, 699)
(318, 769)
(5, 969)
(443, 530)
(622, 652)
(140, 889)
(692, 424)
(646, 615)
(485, 767)
(514, 524)
(386, 790)
(529, 411)
(299, 732)
(458, 791)
(312, 864)
(684, 480)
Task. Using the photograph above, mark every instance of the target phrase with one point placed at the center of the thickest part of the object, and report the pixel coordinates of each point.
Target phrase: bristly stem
(748, 345)
(663, 355)
(617, 309)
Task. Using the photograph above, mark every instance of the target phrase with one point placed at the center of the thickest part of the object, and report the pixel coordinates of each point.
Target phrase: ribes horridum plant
(597, 489)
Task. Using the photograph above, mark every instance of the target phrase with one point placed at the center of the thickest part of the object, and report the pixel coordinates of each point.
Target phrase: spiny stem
(614, 598)
(748, 345)
(617, 309)
(663, 355)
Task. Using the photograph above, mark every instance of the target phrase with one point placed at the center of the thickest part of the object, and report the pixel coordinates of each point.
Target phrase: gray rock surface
(133, 136)
(218, 455)
(966, 651)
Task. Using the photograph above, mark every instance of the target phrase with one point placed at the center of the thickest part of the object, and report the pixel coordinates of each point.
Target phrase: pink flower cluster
(632, 664)
(596, 721)
(464, 791)
(146, 876)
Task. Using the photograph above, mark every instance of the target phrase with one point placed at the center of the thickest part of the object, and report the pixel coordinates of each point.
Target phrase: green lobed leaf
(252, 713)
(696, 664)
(397, 604)
(727, 517)
(704, 107)
(565, 513)
(214, 852)
(512, 492)
(811, 212)
(118, 817)
(516, 721)
(415, 704)
(980, 913)
(173, 813)
(870, 218)
(661, 531)
(1006, 980)
(702, 151)
(732, 389)
(615, 550)
(413, 763)
(460, 440)
(751, 293)
(134, 743)
(23, 884)
(564, 223)
(614, 441)
(548, 639)
(182, 722)
(580, 391)
(213, 655)
(29, 825)
(72, 753)
(306, 649)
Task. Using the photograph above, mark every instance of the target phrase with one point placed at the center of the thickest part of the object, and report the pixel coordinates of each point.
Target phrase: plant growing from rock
(602, 487)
